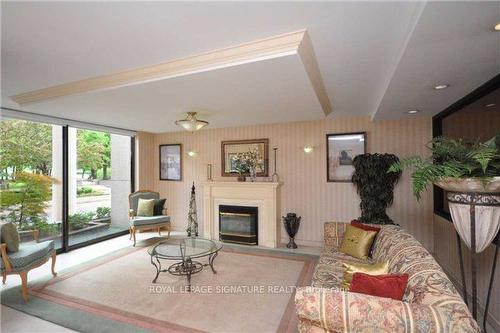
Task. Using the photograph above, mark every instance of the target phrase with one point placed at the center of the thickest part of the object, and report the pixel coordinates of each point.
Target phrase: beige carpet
(251, 292)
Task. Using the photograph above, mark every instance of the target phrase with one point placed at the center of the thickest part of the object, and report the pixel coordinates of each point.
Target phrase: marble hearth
(263, 195)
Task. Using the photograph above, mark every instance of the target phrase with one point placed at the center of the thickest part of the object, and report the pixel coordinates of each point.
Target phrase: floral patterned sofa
(430, 304)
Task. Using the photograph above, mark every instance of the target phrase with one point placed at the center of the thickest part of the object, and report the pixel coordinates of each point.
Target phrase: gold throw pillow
(357, 242)
(145, 207)
(371, 269)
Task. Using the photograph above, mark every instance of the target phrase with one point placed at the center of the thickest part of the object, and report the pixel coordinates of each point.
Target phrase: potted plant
(375, 186)
(470, 172)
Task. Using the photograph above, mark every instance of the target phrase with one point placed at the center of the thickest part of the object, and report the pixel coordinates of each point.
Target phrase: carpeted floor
(251, 292)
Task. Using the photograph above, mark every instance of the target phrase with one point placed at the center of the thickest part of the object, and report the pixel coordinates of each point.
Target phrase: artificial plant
(375, 186)
(452, 158)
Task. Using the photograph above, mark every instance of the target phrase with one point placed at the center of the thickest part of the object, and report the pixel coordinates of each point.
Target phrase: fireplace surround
(263, 195)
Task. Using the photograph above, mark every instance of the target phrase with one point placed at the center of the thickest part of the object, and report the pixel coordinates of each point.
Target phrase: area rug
(252, 291)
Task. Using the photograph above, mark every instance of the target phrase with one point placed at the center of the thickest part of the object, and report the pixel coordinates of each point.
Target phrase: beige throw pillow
(145, 207)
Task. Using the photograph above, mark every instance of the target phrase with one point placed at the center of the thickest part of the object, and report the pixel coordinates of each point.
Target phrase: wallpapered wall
(305, 190)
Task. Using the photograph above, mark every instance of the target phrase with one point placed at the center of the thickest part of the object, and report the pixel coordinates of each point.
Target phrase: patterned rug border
(288, 322)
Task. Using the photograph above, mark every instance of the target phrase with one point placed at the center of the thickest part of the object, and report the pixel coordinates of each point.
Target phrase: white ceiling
(376, 58)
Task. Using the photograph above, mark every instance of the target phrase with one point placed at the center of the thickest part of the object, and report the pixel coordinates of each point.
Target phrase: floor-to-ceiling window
(31, 178)
(99, 181)
(68, 183)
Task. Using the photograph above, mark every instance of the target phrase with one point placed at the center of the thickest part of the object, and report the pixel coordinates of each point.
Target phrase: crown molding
(287, 44)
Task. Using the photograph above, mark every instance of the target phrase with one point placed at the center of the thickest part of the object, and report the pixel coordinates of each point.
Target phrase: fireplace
(238, 224)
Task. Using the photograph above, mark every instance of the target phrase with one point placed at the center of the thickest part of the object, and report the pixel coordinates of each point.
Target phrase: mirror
(236, 155)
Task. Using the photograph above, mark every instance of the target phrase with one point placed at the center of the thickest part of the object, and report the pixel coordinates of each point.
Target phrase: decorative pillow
(387, 285)
(145, 207)
(10, 236)
(357, 224)
(374, 269)
(357, 242)
(158, 209)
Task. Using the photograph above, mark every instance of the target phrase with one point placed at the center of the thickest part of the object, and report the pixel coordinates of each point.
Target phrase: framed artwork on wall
(171, 162)
(340, 151)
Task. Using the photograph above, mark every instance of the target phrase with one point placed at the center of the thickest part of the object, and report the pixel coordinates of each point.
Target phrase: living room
(250, 166)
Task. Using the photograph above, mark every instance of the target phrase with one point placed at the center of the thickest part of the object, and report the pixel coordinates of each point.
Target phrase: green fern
(452, 159)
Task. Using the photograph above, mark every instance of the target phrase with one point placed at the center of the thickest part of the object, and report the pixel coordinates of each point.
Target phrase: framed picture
(340, 151)
(171, 162)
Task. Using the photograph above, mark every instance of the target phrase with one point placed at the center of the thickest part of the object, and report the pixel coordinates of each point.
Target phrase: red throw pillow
(357, 224)
(388, 285)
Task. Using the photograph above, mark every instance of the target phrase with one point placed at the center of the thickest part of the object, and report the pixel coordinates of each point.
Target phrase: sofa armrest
(5, 257)
(341, 311)
(334, 234)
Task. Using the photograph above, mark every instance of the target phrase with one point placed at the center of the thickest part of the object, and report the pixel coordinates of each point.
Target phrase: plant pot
(242, 178)
(486, 199)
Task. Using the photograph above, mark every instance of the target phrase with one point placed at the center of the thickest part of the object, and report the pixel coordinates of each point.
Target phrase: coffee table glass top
(195, 248)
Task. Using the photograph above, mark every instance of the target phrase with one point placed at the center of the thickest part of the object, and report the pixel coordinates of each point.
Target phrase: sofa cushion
(29, 254)
(158, 208)
(145, 207)
(329, 271)
(427, 283)
(149, 220)
(385, 285)
(9, 236)
(357, 242)
(372, 269)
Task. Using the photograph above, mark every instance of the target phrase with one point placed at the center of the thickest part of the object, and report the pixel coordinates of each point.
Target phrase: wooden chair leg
(130, 233)
(4, 277)
(133, 234)
(168, 236)
(53, 267)
(159, 231)
(24, 284)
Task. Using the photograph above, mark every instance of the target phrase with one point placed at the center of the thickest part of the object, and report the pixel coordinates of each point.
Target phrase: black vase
(292, 224)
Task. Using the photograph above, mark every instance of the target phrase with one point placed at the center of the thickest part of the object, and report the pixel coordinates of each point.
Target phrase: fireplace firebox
(238, 224)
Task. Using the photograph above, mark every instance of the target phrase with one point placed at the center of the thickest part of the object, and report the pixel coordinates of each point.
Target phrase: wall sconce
(192, 153)
(308, 149)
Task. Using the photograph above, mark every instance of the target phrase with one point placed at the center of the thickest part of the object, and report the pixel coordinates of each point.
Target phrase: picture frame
(171, 162)
(233, 147)
(341, 148)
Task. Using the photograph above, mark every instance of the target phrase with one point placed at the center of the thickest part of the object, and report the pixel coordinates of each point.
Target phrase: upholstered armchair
(146, 222)
(29, 255)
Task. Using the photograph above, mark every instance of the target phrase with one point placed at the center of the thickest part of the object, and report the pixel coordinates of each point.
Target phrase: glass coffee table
(184, 250)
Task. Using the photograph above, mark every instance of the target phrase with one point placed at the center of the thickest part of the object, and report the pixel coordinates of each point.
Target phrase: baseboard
(304, 242)
(492, 321)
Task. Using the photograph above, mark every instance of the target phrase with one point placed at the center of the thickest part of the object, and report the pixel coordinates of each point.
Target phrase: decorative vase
(292, 224)
(253, 174)
(484, 198)
(241, 178)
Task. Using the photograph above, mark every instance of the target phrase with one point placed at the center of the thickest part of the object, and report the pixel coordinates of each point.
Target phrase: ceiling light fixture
(191, 153)
(191, 124)
(497, 27)
(413, 111)
(489, 105)
(441, 86)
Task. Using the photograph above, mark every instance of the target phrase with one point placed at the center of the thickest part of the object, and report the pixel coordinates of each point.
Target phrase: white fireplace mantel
(263, 195)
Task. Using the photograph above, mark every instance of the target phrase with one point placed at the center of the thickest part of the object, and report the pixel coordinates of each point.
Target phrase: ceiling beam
(277, 46)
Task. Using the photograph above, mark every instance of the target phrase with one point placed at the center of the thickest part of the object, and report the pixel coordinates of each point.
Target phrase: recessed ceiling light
(441, 86)
(497, 27)
(489, 105)
(413, 111)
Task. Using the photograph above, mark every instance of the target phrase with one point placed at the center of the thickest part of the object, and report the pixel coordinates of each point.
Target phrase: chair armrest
(5, 257)
(165, 211)
(131, 213)
(334, 234)
(343, 311)
(34, 233)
